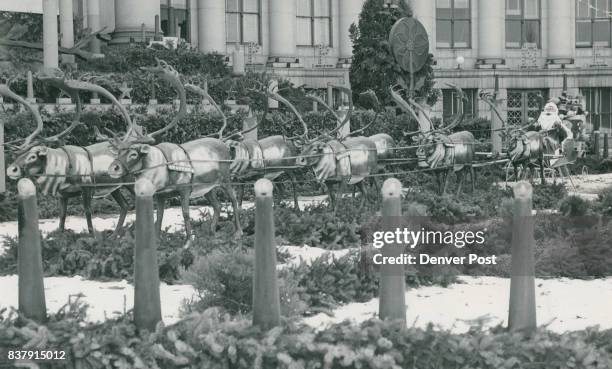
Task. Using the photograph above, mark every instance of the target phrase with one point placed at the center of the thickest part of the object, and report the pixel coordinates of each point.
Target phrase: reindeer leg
(364, 194)
(460, 178)
(122, 202)
(232, 195)
(63, 210)
(296, 204)
(377, 193)
(214, 201)
(240, 194)
(446, 179)
(185, 197)
(473, 178)
(341, 189)
(87, 195)
(331, 194)
(543, 180)
(160, 204)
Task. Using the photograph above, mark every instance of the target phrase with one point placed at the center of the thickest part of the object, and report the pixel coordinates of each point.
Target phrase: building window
(599, 105)
(522, 23)
(174, 14)
(592, 23)
(242, 20)
(314, 22)
(450, 107)
(453, 24)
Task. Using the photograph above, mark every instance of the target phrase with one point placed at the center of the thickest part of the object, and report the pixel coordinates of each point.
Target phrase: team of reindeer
(196, 168)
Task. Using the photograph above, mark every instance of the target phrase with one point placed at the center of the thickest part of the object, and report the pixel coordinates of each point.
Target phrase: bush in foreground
(213, 340)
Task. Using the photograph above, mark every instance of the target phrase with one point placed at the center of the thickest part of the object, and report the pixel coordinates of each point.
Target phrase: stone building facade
(522, 48)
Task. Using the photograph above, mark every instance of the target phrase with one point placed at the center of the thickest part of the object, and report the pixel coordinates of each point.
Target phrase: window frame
(241, 12)
(313, 18)
(472, 103)
(452, 19)
(523, 21)
(593, 18)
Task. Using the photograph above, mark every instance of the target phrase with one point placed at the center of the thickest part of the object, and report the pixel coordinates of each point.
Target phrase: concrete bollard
(522, 311)
(147, 305)
(31, 286)
(266, 300)
(392, 285)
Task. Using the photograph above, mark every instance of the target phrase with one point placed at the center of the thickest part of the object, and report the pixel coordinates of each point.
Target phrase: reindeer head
(311, 153)
(430, 149)
(129, 160)
(28, 164)
(517, 143)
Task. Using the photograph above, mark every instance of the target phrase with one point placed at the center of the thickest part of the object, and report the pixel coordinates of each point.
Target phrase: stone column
(93, 23)
(282, 29)
(66, 28)
(491, 14)
(211, 26)
(425, 12)
(561, 20)
(50, 37)
(171, 21)
(130, 15)
(349, 14)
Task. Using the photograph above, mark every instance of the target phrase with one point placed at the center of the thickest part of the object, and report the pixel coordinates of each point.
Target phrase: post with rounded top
(147, 305)
(392, 286)
(30, 283)
(522, 311)
(266, 301)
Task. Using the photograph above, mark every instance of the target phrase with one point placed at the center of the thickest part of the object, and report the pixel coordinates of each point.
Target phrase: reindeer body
(449, 153)
(527, 149)
(71, 171)
(192, 169)
(271, 156)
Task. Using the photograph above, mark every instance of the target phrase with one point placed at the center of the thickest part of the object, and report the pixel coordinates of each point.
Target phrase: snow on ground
(105, 299)
(562, 304)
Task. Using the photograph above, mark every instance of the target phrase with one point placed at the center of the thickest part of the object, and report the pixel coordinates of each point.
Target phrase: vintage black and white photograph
(301, 184)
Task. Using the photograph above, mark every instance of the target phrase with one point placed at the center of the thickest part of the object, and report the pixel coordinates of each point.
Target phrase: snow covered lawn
(562, 304)
(105, 299)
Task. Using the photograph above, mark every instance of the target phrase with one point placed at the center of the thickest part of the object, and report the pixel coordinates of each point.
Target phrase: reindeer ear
(144, 149)
(42, 151)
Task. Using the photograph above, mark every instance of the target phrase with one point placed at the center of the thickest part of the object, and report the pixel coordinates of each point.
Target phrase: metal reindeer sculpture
(526, 148)
(269, 157)
(439, 148)
(68, 170)
(341, 161)
(192, 169)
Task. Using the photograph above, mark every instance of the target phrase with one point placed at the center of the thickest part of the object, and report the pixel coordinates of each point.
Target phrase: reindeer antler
(489, 99)
(460, 114)
(407, 108)
(169, 74)
(204, 93)
(56, 78)
(6, 92)
(276, 96)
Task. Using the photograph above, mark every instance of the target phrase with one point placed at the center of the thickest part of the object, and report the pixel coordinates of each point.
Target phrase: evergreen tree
(374, 66)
